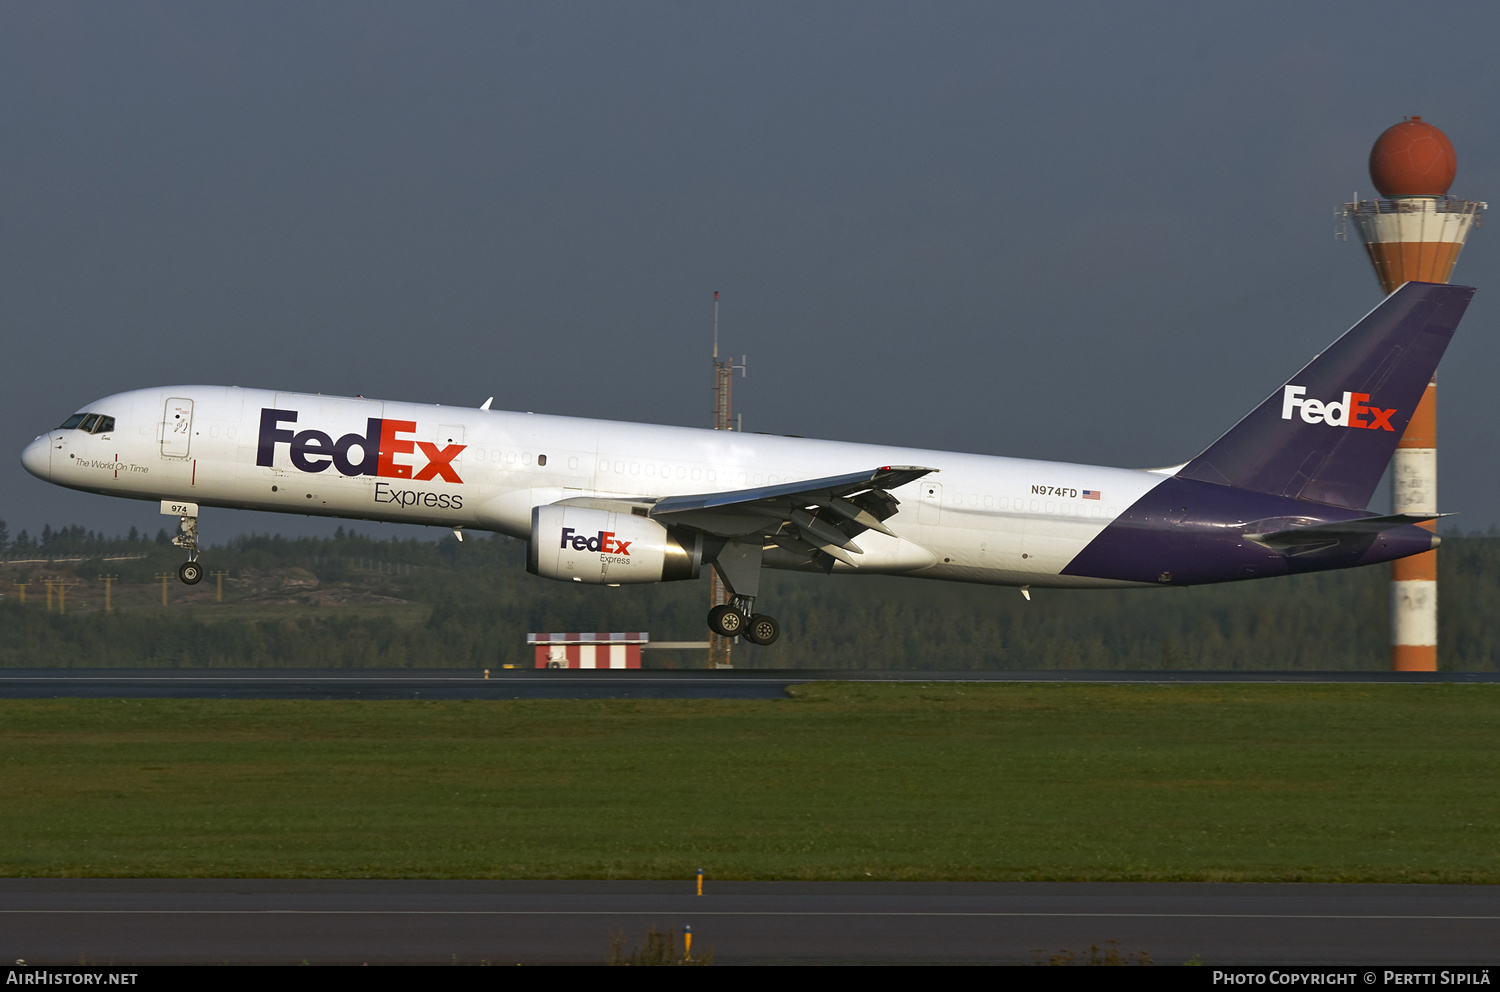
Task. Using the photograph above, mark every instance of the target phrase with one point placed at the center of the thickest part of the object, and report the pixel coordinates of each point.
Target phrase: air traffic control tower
(1414, 232)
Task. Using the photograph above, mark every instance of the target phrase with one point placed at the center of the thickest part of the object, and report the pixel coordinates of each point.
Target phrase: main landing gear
(738, 564)
(734, 619)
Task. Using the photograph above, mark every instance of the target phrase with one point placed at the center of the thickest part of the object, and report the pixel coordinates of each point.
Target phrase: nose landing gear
(189, 572)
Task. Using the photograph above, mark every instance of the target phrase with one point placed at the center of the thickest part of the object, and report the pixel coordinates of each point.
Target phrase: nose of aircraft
(37, 458)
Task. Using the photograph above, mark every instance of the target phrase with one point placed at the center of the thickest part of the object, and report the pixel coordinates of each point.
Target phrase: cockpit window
(91, 423)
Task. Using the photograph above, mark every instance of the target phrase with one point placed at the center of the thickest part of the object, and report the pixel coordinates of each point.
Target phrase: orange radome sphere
(1413, 158)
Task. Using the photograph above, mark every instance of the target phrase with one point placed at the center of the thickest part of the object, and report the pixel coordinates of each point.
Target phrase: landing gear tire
(190, 572)
(726, 621)
(762, 630)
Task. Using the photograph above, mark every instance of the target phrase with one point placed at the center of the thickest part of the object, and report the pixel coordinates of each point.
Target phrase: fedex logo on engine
(379, 446)
(1351, 411)
(604, 541)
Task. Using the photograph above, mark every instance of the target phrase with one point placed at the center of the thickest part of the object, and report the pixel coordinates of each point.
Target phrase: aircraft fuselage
(976, 518)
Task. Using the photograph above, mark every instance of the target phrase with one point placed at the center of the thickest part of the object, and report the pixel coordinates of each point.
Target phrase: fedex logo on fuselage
(379, 446)
(604, 541)
(1351, 411)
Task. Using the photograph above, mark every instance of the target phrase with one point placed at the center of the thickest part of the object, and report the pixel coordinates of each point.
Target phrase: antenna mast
(718, 647)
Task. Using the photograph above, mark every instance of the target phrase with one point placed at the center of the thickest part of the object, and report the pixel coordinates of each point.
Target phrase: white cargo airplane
(610, 503)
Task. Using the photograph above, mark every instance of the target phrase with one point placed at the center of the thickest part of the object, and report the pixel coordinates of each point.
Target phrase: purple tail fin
(1328, 434)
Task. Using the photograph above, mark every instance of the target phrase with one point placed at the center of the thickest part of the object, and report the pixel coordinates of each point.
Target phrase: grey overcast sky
(1094, 232)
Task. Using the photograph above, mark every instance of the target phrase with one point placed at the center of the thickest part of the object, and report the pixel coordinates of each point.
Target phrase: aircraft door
(930, 508)
(177, 428)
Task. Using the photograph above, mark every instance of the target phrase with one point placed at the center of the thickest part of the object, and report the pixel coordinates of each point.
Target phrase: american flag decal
(1091, 494)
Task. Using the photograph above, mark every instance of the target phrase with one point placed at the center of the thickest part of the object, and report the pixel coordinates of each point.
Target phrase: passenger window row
(89, 423)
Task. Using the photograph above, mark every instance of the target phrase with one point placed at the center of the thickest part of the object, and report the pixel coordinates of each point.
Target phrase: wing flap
(887, 477)
(816, 517)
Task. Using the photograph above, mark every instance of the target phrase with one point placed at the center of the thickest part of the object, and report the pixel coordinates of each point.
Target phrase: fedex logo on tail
(379, 446)
(604, 541)
(1351, 411)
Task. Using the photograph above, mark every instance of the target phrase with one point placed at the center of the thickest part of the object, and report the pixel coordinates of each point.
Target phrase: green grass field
(845, 781)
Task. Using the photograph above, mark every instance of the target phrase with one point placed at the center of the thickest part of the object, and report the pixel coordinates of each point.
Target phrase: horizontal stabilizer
(1339, 530)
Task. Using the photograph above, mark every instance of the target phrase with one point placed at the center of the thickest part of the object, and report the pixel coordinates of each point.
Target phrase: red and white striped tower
(1414, 232)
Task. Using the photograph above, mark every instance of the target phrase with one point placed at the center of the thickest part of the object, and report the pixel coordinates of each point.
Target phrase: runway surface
(188, 683)
(129, 921)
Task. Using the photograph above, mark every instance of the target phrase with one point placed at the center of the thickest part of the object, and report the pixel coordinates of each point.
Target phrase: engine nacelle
(577, 543)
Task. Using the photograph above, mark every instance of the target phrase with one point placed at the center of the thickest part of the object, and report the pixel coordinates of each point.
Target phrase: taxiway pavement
(265, 921)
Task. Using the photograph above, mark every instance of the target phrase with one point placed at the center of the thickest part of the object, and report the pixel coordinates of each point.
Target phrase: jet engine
(604, 547)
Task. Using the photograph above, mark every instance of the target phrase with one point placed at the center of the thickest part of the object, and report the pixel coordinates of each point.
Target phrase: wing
(816, 517)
